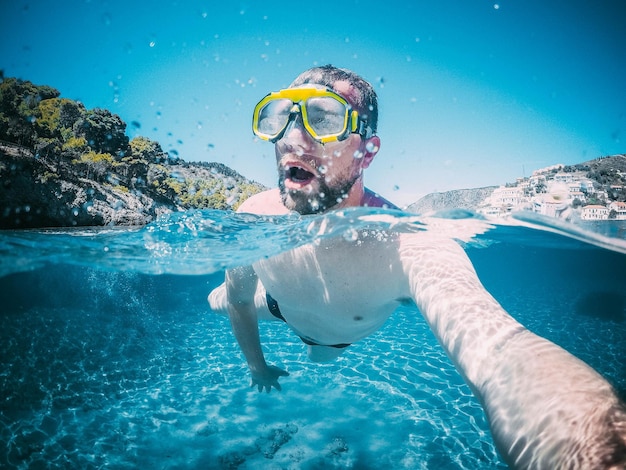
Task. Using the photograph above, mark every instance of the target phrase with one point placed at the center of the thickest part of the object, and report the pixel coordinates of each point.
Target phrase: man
(546, 408)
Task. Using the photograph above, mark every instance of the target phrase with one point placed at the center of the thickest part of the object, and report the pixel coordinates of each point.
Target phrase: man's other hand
(268, 378)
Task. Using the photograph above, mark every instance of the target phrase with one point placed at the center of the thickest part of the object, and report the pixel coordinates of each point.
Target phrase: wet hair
(327, 75)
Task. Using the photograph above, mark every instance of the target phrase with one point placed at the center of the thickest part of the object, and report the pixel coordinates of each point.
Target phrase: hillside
(36, 192)
(600, 182)
(62, 165)
(456, 199)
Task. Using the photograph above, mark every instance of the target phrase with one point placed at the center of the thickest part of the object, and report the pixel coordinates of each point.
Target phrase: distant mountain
(607, 173)
(456, 199)
(62, 165)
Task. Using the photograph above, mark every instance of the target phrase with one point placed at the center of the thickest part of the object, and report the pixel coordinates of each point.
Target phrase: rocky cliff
(36, 192)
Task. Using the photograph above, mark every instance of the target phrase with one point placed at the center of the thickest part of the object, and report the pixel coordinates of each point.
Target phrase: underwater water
(110, 356)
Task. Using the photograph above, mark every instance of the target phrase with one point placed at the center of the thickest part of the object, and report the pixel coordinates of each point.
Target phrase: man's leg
(324, 353)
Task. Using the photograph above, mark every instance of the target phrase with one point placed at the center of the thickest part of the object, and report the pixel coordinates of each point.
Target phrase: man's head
(351, 86)
(316, 173)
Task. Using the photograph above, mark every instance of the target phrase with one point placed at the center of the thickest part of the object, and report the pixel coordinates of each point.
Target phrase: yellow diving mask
(326, 116)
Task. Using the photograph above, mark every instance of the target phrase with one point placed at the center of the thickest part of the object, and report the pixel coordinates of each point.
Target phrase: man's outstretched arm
(241, 285)
(546, 408)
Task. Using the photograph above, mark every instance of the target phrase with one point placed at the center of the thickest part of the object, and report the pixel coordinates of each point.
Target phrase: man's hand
(268, 378)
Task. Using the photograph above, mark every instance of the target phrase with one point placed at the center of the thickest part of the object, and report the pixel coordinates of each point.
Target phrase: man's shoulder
(372, 199)
(265, 203)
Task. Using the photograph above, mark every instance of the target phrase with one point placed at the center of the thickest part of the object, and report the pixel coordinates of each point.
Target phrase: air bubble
(351, 235)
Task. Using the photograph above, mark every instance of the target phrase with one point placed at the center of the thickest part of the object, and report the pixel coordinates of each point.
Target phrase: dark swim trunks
(272, 305)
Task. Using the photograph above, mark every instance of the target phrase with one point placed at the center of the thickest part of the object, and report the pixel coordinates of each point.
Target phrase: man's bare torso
(337, 291)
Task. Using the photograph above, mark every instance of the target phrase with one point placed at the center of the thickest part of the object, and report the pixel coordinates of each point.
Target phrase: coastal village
(561, 191)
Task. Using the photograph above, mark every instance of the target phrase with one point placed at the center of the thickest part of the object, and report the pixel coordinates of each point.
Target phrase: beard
(314, 202)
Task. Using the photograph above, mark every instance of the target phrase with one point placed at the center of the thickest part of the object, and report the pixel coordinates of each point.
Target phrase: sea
(110, 356)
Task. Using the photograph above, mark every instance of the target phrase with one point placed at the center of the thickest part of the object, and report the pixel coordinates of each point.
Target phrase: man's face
(315, 177)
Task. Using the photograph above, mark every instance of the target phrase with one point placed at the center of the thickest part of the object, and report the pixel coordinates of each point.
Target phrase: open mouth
(298, 175)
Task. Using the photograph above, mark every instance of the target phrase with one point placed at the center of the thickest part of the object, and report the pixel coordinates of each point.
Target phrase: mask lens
(326, 116)
(273, 117)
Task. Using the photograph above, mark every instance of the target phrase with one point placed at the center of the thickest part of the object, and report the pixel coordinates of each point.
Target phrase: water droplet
(358, 155)
(496, 6)
(337, 153)
(323, 169)
(370, 147)
(152, 43)
(396, 187)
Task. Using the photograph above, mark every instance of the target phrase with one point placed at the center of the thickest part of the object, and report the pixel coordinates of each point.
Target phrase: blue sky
(471, 92)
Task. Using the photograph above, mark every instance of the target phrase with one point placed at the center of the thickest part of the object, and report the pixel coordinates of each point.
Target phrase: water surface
(110, 356)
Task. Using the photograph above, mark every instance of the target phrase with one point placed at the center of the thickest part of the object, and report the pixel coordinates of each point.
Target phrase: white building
(507, 196)
(503, 200)
(564, 177)
(587, 186)
(619, 208)
(594, 212)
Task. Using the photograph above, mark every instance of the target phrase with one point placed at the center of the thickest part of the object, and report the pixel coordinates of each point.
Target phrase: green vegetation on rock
(64, 165)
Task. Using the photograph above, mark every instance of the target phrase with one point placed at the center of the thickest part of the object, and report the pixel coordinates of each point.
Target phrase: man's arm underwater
(241, 284)
(545, 407)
